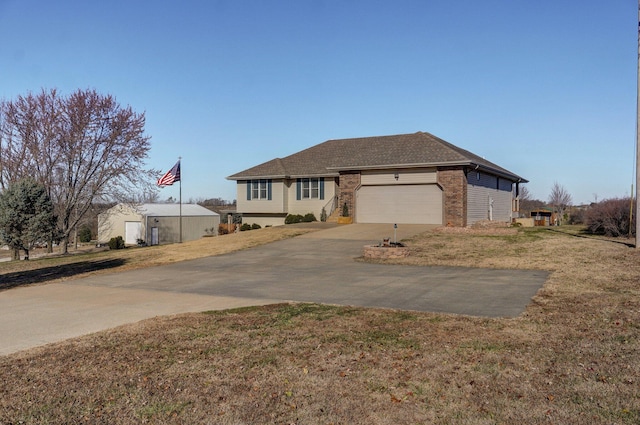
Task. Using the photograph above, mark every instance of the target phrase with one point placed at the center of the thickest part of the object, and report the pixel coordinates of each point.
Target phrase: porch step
(333, 218)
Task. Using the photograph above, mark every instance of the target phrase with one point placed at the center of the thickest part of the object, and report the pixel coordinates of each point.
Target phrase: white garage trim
(409, 204)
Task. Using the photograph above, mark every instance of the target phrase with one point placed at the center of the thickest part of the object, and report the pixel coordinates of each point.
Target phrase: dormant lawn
(573, 357)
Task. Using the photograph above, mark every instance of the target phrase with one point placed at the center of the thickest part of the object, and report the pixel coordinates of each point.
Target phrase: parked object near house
(156, 224)
(408, 178)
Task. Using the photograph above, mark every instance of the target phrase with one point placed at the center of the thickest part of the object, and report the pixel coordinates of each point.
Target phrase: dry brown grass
(572, 358)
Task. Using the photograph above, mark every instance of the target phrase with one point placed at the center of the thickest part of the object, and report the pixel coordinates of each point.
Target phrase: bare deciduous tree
(560, 199)
(82, 148)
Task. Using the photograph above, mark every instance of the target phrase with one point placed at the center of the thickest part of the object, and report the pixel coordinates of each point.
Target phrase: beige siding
(111, 223)
(263, 221)
(305, 206)
(486, 200)
(404, 177)
(275, 205)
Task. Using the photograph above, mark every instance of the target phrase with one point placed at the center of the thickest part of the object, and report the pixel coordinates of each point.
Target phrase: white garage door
(132, 232)
(410, 204)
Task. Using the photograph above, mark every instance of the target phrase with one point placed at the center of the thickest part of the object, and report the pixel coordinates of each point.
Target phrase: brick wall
(454, 184)
(349, 182)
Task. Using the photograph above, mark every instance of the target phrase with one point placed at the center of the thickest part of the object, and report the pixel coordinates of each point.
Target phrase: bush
(323, 215)
(245, 227)
(308, 218)
(293, 218)
(116, 243)
(610, 218)
(225, 229)
(297, 218)
(84, 234)
(255, 226)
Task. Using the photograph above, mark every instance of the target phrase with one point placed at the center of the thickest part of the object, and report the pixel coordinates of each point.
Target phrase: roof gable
(403, 150)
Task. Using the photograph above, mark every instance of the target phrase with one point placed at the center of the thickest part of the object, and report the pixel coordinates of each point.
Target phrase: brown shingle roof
(402, 150)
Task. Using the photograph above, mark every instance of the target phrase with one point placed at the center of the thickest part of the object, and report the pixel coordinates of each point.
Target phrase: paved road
(317, 267)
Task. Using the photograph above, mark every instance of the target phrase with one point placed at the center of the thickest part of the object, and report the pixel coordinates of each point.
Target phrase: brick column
(349, 182)
(454, 184)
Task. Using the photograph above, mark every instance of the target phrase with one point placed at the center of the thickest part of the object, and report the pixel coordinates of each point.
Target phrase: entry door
(132, 232)
(155, 239)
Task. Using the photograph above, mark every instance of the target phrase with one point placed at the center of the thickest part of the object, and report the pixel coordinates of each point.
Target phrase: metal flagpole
(180, 168)
(638, 137)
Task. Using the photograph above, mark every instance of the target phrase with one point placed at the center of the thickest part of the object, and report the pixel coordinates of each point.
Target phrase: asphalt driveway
(317, 267)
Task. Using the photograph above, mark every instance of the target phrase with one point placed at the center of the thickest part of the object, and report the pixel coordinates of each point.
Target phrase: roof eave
(500, 173)
(257, 176)
(464, 163)
(395, 166)
(273, 177)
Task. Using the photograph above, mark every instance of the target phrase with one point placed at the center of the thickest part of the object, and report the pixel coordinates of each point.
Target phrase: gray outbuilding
(157, 224)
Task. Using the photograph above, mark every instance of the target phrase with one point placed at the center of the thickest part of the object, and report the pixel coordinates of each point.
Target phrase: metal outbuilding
(156, 224)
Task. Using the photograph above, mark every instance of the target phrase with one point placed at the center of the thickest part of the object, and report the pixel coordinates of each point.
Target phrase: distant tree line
(609, 217)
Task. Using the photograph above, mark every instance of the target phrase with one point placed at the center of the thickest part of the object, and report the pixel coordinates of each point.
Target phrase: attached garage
(409, 204)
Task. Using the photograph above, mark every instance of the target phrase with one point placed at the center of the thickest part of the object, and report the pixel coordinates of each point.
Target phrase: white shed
(155, 224)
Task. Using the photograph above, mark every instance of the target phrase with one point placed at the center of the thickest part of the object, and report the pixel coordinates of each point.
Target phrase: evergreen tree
(26, 216)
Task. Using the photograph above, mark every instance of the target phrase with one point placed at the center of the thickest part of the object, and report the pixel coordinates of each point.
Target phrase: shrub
(84, 234)
(245, 227)
(345, 210)
(323, 215)
(610, 218)
(293, 218)
(577, 216)
(116, 243)
(255, 226)
(308, 218)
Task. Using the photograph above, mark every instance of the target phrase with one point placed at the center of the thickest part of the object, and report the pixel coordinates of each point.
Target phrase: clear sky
(545, 88)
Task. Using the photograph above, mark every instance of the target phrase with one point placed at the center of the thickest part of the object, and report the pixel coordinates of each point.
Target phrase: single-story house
(407, 178)
(155, 224)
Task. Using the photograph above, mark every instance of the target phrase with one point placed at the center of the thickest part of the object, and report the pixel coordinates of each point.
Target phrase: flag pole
(638, 140)
(180, 168)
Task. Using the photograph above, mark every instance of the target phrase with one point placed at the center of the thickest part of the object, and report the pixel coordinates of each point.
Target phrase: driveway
(316, 267)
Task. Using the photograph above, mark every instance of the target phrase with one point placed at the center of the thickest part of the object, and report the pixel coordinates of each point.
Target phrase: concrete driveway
(316, 267)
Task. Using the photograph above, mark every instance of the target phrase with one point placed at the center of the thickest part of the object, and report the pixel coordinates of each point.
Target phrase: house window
(259, 189)
(310, 188)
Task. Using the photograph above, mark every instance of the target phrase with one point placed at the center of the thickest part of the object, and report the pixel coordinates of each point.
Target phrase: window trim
(259, 190)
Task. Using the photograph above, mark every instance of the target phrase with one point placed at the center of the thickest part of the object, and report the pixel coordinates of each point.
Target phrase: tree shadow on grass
(29, 277)
(586, 235)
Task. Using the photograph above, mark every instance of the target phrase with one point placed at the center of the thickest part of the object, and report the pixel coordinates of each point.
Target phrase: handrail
(331, 206)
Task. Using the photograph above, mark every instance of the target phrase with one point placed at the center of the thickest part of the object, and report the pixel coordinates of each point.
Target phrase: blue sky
(546, 89)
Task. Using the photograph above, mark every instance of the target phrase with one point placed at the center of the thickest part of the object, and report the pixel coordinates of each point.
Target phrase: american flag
(172, 176)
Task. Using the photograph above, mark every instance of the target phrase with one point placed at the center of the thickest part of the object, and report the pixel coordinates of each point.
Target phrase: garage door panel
(132, 232)
(411, 204)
